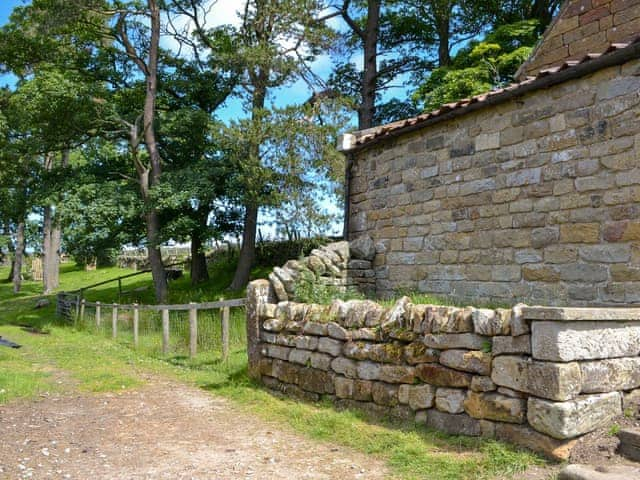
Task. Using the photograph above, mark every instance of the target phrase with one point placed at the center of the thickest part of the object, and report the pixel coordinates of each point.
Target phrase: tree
(480, 66)
(115, 43)
(272, 47)
(400, 40)
(195, 177)
(52, 113)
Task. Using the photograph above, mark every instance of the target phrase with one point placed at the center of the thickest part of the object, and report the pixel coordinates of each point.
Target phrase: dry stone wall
(535, 376)
(534, 199)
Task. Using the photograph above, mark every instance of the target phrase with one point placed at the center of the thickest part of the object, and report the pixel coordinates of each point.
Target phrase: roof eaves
(615, 54)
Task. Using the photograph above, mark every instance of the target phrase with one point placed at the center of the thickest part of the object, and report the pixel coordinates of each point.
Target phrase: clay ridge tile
(377, 132)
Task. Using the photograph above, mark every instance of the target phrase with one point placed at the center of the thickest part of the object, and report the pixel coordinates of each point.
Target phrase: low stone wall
(535, 376)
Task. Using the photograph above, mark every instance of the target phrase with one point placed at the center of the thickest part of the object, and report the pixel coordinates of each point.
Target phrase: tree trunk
(52, 237)
(250, 227)
(151, 144)
(199, 272)
(155, 256)
(12, 250)
(443, 20)
(248, 250)
(19, 255)
(47, 225)
(367, 109)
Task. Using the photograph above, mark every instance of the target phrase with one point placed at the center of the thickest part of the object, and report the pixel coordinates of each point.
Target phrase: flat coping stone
(590, 472)
(572, 314)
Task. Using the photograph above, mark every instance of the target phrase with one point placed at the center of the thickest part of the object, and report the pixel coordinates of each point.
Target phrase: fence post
(119, 289)
(76, 317)
(136, 322)
(165, 331)
(225, 333)
(82, 306)
(193, 330)
(98, 315)
(114, 321)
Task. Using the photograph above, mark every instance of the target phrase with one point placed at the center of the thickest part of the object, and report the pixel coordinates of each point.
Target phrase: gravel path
(165, 430)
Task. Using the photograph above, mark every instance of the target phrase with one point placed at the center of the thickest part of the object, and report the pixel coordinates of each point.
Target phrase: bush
(278, 252)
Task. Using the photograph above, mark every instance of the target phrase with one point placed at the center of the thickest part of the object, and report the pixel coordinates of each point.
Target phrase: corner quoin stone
(569, 419)
(584, 340)
(555, 381)
(259, 292)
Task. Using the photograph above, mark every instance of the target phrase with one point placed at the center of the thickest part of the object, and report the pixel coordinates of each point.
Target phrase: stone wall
(534, 199)
(535, 376)
(583, 27)
(340, 265)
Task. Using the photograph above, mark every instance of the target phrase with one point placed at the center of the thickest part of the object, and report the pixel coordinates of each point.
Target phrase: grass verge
(64, 358)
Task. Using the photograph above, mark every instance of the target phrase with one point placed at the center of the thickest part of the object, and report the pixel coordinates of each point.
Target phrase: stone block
(469, 341)
(491, 322)
(449, 319)
(487, 141)
(527, 437)
(610, 375)
(519, 324)
(555, 381)
(438, 375)
(583, 272)
(418, 352)
(494, 406)
(339, 333)
(528, 256)
(321, 361)
(317, 381)
(362, 390)
(417, 396)
(503, 345)
(482, 384)
(450, 400)
(631, 403)
(273, 324)
(540, 273)
(368, 371)
(563, 420)
(345, 367)
(609, 253)
(396, 374)
(542, 237)
(330, 346)
(584, 340)
(278, 287)
(279, 352)
(460, 424)
(473, 361)
(301, 357)
(343, 387)
(580, 233)
(315, 328)
(305, 342)
(362, 248)
(610, 472)
(384, 394)
(286, 372)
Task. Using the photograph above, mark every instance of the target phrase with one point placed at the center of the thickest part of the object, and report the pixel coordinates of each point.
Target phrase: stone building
(526, 193)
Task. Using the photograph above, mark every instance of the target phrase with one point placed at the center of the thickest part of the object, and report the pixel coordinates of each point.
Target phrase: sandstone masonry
(527, 375)
(536, 198)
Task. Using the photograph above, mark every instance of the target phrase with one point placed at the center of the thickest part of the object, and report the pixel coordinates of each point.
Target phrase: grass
(65, 357)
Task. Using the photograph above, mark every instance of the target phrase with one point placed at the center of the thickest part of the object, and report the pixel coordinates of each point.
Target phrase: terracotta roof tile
(375, 133)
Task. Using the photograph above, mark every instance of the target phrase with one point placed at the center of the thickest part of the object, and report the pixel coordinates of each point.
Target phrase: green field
(58, 356)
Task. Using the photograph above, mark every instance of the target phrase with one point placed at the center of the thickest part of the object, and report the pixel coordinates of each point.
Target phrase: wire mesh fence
(204, 331)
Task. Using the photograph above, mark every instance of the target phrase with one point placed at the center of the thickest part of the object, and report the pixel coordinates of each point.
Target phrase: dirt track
(164, 430)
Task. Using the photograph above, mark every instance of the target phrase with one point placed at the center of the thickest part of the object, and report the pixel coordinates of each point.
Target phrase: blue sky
(223, 12)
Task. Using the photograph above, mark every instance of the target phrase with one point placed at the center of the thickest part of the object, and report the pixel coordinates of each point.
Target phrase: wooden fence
(94, 315)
